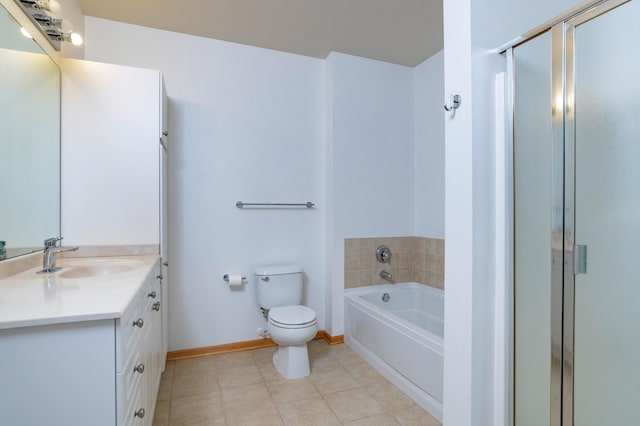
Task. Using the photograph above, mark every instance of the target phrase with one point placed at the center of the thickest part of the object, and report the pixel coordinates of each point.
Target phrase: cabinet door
(110, 122)
(58, 375)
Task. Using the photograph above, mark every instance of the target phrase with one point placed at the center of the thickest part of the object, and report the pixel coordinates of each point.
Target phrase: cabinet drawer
(134, 372)
(131, 407)
(129, 335)
(152, 293)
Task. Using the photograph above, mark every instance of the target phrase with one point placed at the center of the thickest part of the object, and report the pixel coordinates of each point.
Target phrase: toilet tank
(278, 285)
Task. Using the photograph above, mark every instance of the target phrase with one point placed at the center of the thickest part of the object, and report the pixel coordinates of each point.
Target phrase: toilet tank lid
(278, 270)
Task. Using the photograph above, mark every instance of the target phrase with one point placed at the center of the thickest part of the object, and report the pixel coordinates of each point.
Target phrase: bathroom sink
(97, 269)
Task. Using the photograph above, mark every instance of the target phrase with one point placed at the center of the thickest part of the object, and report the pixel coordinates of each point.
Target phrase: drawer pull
(138, 323)
(156, 306)
(152, 295)
(160, 277)
(139, 368)
(139, 413)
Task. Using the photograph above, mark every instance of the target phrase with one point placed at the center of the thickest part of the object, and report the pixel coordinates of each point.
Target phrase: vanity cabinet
(98, 372)
(139, 355)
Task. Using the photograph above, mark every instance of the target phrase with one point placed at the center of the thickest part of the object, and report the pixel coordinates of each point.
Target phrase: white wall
(428, 134)
(253, 124)
(473, 31)
(244, 124)
(370, 138)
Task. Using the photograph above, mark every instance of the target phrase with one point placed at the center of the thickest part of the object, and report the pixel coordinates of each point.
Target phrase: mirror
(30, 142)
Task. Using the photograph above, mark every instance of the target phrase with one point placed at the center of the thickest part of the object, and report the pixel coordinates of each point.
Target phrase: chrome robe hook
(454, 103)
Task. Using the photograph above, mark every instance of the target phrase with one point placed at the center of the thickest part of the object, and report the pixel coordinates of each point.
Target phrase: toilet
(290, 325)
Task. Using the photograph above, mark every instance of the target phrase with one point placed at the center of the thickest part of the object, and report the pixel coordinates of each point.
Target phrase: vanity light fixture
(55, 28)
(50, 5)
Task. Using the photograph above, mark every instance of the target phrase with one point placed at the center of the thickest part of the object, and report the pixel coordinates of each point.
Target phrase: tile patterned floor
(245, 389)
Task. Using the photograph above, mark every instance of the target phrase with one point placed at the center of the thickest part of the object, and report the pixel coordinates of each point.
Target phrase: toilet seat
(295, 316)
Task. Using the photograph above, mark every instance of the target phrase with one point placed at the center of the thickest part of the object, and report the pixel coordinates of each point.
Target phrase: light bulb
(76, 39)
(25, 33)
(54, 6)
(50, 5)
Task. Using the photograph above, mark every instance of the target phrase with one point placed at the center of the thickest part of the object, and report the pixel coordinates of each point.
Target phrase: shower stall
(576, 214)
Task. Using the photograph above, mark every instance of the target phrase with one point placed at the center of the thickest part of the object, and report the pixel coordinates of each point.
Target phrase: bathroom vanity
(82, 345)
(85, 345)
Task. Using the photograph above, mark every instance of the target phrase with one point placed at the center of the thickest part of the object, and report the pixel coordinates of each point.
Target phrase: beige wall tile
(429, 262)
(419, 245)
(351, 279)
(430, 246)
(404, 244)
(364, 278)
(405, 275)
(366, 260)
(351, 261)
(366, 246)
(419, 275)
(413, 259)
(440, 280)
(351, 245)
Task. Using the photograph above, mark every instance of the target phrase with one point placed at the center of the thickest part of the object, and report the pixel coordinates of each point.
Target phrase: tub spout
(386, 275)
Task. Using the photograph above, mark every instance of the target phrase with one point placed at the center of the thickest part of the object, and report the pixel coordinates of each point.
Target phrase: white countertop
(29, 299)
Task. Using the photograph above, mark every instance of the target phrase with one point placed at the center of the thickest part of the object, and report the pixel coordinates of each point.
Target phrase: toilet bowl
(291, 327)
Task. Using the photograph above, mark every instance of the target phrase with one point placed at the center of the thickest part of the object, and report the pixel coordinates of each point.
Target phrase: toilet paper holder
(225, 277)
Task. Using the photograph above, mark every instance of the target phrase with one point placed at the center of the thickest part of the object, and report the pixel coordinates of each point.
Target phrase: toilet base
(292, 362)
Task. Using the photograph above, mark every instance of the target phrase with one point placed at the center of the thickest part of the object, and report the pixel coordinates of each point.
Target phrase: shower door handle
(579, 259)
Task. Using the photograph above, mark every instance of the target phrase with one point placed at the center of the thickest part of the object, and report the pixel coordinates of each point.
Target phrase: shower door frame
(563, 199)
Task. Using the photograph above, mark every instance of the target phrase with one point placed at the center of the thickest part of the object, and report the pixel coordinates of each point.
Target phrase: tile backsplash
(415, 259)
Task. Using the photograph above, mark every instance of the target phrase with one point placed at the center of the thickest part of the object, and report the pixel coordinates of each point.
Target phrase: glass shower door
(606, 78)
(533, 212)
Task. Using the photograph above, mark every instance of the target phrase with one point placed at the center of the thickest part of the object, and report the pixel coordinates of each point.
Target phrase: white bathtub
(402, 337)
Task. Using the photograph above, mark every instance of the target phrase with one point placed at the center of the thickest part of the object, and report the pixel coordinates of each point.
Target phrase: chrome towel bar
(308, 204)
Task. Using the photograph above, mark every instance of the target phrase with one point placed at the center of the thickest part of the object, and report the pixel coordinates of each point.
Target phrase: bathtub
(399, 330)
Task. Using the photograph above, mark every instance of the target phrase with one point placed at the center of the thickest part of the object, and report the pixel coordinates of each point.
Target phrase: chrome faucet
(386, 275)
(51, 249)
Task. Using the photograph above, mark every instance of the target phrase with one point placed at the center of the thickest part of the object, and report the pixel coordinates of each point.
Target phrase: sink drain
(385, 297)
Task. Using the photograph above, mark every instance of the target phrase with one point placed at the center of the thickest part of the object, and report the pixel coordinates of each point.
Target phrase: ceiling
(404, 32)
